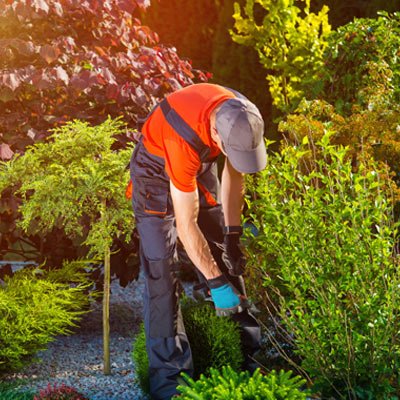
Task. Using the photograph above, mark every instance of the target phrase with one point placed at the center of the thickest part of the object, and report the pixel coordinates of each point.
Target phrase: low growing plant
(62, 392)
(326, 256)
(34, 308)
(215, 342)
(228, 384)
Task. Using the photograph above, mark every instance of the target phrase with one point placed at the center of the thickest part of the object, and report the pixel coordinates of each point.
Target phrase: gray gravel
(77, 360)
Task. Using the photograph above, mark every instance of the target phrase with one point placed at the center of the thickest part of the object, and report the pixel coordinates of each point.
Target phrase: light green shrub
(326, 256)
(34, 308)
(229, 384)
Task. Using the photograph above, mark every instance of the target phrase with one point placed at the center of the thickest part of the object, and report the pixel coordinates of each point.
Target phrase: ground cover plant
(214, 341)
(36, 306)
(62, 392)
(227, 383)
(326, 255)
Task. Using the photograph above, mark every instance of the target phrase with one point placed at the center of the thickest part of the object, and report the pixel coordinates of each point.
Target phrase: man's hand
(233, 256)
(225, 297)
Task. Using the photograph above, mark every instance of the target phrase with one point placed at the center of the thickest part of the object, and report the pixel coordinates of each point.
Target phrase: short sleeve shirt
(194, 104)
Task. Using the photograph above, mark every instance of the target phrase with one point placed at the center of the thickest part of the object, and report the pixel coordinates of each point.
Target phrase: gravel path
(77, 360)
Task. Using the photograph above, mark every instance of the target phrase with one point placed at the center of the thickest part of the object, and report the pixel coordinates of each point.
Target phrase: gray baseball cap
(241, 129)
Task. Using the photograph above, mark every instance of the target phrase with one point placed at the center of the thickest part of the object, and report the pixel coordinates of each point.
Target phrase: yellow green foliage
(290, 41)
(76, 181)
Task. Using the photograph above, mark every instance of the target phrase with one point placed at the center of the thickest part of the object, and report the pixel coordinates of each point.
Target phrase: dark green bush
(215, 342)
(324, 254)
(229, 384)
(34, 308)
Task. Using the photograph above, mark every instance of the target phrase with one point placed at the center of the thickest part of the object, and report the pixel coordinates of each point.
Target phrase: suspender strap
(184, 130)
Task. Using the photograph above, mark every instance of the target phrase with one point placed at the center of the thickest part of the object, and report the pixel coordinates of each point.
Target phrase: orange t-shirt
(194, 104)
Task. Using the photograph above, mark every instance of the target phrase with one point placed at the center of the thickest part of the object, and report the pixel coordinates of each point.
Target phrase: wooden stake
(106, 313)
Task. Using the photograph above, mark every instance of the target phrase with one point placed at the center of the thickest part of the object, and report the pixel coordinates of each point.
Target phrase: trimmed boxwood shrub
(215, 342)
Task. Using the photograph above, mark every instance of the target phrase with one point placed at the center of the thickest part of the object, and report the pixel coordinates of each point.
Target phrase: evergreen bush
(215, 342)
(34, 308)
(85, 173)
(229, 384)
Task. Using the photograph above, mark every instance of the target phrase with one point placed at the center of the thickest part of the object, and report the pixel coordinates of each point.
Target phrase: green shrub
(324, 254)
(229, 384)
(214, 341)
(62, 392)
(34, 308)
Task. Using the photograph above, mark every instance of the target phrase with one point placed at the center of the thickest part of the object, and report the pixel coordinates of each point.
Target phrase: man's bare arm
(232, 191)
(186, 208)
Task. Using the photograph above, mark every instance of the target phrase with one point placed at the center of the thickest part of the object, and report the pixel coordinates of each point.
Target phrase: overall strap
(184, 130)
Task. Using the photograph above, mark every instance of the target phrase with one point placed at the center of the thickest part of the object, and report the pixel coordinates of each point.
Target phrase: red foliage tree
(85, 59)
(74, 59)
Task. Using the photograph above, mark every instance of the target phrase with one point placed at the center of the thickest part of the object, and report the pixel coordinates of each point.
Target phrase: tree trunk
(106, 313)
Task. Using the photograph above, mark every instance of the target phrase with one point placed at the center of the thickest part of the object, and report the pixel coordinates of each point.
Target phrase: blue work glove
(232, 255)
(225, 297)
